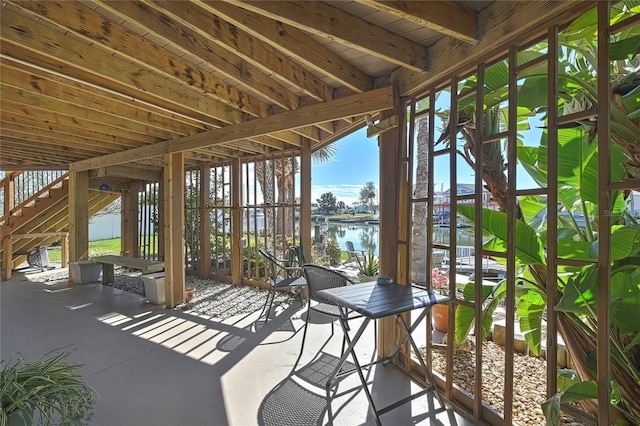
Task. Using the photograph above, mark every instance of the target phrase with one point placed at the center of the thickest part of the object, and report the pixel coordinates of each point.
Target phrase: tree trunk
(419, 273)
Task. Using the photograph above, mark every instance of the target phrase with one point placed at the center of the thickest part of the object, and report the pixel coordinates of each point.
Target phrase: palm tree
(279, 173)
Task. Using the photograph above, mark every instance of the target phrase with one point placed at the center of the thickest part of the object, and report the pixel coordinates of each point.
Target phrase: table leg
(107, 273)
(350, 351)
(426, 371)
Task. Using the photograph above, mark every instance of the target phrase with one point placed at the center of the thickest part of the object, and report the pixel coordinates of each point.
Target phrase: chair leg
(304, 336)
(268, 302)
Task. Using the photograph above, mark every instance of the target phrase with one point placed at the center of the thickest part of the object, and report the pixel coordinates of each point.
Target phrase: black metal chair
(321, 278)
(282, 273)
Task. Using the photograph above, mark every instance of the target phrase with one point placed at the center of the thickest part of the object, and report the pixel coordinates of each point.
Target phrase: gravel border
(212, 298)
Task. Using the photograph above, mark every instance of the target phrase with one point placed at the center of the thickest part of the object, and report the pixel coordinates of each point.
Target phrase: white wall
(104, 227)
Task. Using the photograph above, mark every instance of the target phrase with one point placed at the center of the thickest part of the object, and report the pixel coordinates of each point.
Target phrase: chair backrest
(321, 278)
(295, 257)
(351, 251)
(274, 264)
(437, 257)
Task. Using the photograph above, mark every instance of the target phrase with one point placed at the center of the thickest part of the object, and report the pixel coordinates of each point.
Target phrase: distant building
(634, 203)
(442, 199)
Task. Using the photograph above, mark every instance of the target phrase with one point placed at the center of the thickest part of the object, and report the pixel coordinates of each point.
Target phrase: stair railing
(21, 191)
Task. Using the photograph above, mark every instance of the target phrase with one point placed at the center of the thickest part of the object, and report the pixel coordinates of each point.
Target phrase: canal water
(366, 237)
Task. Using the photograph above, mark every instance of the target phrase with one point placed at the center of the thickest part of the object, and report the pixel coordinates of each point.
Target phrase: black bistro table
(375, 301)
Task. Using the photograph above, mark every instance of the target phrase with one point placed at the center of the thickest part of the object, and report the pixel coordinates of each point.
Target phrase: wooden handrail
(9, 176)
(38, 235)
(35, 196)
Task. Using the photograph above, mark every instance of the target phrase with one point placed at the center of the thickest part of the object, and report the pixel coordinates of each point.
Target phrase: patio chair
(352, 252)
(280, 276)
(321, 278)
(295, 258)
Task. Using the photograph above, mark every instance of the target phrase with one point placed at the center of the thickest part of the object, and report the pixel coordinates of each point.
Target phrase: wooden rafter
(373, 101)
(446, 17)
(335, 24)
(295, 43)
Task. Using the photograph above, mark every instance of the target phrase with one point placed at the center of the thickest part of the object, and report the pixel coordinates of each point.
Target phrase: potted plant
(440, 312)
(48, 390)
(368, 267)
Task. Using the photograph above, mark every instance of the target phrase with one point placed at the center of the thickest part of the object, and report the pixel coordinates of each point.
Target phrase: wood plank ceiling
(123, 82)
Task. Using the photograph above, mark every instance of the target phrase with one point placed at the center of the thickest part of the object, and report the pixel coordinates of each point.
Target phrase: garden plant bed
(529, 375)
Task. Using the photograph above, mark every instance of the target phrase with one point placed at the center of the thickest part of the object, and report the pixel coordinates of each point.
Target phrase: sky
(356, 162)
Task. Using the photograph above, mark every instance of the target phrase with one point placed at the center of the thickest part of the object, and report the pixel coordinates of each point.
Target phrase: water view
(366, 236)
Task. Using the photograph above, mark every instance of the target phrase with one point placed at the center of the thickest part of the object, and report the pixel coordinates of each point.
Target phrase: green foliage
(576, 392)
(369, 266)
(96, 248)
(49, 387)
(332, 250)
(368, 195)
(327, 203)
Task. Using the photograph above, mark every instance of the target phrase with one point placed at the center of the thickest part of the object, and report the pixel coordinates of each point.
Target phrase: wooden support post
(205, 222)
(64, 261)
(236, 221)
(129, 220)
(390, 202)
(79, 215)
(9, 198)
(7, 261)
(305, 197)
(173, 228)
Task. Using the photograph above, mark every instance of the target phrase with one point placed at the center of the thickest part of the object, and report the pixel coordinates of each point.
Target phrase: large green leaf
(578, 392)
(528, 157)
(625, 300)
(579, 295)
(531, 206)
(529, 249)
(531, 306)
(589, 178)
(625, 244)
(465, 316)
(626, 48)
(578, 250)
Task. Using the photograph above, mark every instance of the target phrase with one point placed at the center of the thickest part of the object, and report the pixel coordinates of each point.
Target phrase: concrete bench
(146, 266)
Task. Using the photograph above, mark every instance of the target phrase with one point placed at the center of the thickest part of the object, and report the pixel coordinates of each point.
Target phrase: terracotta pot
(188, 294)
(440, 317)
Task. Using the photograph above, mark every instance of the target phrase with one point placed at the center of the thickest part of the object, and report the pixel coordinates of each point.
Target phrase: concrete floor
(152, 366)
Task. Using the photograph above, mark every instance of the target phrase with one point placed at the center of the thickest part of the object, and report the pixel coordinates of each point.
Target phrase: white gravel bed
(212, 298)
(529, 373)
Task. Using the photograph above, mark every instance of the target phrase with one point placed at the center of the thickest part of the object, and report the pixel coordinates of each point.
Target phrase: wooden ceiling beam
(195, 120)
(364, 103)
(322, 19)
(446, 17)
(188, 31)
(269, 141)
(29, 84)
(34, 148)
(292, 42)
(201, 18)
(75, 141)
(154, 126)
(289, 137)
(128, 171)
(41, 118)
(92, 65)
(114, 38)
(504, 24)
